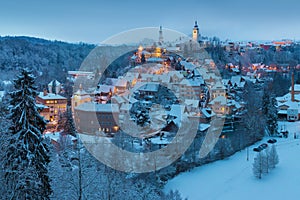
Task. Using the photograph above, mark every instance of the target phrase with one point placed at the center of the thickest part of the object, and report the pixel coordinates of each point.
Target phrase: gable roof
(220, 99)
(51, 96)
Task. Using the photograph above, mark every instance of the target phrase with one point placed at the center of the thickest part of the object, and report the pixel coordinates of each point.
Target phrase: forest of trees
(48, 59)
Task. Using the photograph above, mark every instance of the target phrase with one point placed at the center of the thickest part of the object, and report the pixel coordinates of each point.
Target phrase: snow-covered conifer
(26, 157)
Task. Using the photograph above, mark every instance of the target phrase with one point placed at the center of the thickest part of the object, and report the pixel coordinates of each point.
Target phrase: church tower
(196, 32)
(161, 38)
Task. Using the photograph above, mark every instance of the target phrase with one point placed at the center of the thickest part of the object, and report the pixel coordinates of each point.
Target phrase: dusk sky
(93, 21)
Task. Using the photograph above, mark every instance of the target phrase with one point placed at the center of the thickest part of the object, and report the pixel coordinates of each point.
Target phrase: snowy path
(232, 179)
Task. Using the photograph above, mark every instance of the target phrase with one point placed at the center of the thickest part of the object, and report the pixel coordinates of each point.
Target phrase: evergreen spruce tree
(270, 112)
(143, 59)
(265, 102)
(272, 116)
(26, 157)
(66, 122)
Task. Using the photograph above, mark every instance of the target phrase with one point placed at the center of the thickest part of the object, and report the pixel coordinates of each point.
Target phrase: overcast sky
(93, 21)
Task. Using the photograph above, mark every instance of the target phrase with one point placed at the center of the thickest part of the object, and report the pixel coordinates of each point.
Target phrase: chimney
(293, 88)
(45, 92)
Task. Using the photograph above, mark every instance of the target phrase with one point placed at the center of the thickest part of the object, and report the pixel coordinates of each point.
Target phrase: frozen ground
(232, 179)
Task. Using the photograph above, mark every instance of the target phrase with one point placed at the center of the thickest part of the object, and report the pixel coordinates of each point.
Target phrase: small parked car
(272, 141)
(257, 149)
(263, 146)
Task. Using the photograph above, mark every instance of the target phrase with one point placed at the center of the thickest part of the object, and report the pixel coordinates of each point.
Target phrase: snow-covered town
(149, 100)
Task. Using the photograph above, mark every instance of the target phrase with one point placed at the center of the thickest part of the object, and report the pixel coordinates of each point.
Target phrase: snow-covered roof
(95, 107)
(207, 61)
(125, 107)
(188, 65)
(194, 82)
(151, 87)
(130, 76)
(206, 114)
(218, 86)
(121, 83)
(7, 82)
(234, 103)
(51, 96)
(208, 76)
(165, 78)
(80, 92)
(282, 112)
(162, 141)
(118, 82)
(145, 77)
(173, 49)
(235, 69)
(80, 73)
(154, 59)
(133, 57)
(104, 89)
(219, 99)
(296, 88)
(118, 99)
(202, 70)
(192, 102)
(145, 52)
(225, 81)
(236, 80)
(177, 111)
(292, 105)
(81, 95)
(203, 127)
(41, 106)
(288, 97)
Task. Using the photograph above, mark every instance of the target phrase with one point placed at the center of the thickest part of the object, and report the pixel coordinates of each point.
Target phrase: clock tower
(196, 32)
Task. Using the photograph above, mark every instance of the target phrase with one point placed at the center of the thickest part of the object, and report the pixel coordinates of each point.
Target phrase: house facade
(92, 117)
(56, 104)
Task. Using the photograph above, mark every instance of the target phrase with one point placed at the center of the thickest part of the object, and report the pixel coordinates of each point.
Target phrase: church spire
(161, 38)
(196, 24)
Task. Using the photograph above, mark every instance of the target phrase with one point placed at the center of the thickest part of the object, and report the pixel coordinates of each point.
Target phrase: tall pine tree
(66, 123)
(26, 158)
(269, 109)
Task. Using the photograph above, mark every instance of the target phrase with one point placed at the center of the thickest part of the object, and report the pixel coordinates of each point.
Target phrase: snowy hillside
(232, 178)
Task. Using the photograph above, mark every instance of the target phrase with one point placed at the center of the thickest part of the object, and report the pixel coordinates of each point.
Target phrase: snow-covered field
(232, 178)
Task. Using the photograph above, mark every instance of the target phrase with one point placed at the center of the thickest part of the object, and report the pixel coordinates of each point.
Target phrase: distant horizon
(100, 43)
